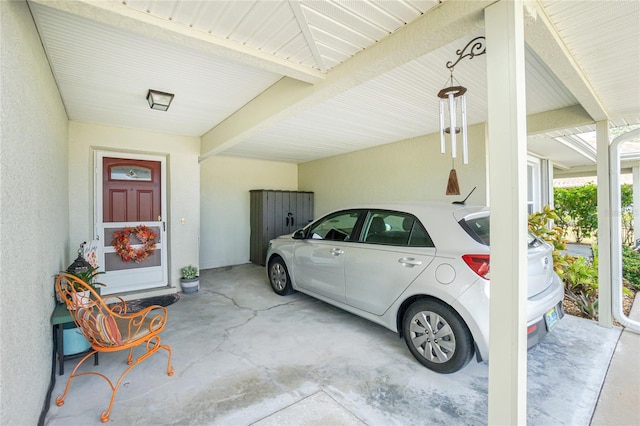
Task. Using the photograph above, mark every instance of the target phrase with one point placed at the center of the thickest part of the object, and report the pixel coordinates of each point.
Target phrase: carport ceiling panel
(92, 61)
(563, 155)
(398, 105)
(544, 90)
(271, 26)
(612, 67)
(267, 26)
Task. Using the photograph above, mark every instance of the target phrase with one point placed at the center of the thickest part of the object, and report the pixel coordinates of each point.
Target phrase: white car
(421, 270)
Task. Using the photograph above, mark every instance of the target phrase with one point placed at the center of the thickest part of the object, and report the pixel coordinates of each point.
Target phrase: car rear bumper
(539, 328)
(473, 306)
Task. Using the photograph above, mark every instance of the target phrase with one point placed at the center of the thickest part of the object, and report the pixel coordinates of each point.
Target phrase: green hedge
(577, 210)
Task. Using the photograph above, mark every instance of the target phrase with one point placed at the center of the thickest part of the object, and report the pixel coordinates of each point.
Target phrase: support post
(605, 314)
(508, 182)
(636, 202)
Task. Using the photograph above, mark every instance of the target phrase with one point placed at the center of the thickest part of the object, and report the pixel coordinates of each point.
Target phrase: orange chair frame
(108, 328)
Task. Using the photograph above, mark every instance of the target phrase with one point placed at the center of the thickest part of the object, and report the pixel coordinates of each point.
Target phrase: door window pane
(130, 173)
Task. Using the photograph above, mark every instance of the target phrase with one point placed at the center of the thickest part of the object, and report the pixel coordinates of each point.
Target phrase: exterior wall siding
(409, 170)
(183, 184)
(226, 183)
(34, 214)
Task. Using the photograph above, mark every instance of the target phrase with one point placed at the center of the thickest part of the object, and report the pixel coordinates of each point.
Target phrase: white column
(508, 183)
(546, 174)
(636, 202)
(605, 315)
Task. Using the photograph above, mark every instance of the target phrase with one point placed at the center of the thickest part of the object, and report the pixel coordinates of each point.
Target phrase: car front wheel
(437, 336)
(279, 277)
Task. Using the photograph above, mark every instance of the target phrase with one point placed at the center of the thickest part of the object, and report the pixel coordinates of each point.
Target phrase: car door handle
(409, 262)
(337, 251)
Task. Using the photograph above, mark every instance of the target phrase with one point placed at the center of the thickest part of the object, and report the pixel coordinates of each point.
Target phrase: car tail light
(479, 263)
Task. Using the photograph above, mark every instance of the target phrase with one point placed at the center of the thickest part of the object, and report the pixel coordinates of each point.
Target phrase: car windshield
(479, 229)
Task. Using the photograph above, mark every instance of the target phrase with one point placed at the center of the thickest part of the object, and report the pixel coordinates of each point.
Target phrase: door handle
(337, 251)
(409, 262)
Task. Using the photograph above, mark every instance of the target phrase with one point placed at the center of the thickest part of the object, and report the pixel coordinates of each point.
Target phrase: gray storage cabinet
(275, 213)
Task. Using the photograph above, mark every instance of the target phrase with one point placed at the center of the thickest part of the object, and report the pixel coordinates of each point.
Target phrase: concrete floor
(244, 355)
(619, 402)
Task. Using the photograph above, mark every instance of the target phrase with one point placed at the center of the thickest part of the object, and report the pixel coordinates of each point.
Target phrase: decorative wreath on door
(121, 243)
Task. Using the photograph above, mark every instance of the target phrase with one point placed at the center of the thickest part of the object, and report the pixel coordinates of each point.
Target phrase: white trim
(635, 170)
(534, 182)
(616, 232)
(604, 225)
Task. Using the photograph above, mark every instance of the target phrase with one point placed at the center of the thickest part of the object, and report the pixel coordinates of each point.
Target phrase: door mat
(137, 305)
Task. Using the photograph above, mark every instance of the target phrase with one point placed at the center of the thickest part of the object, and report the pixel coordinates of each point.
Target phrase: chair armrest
(149, 321)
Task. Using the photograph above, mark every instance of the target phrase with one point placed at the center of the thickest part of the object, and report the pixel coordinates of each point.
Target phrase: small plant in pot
(88, 276)
(190, 280)
(83, 270)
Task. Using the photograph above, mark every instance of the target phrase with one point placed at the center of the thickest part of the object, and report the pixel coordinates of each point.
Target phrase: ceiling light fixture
(159, 100)
(454, 96)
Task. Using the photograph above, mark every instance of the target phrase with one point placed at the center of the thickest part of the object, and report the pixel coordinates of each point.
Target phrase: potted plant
(88, 275)
(190, 281)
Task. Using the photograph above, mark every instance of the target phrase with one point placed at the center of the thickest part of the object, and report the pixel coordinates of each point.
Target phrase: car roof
(420, 207)
(436, 217)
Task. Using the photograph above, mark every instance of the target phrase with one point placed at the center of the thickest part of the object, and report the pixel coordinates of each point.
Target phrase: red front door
(131, 190)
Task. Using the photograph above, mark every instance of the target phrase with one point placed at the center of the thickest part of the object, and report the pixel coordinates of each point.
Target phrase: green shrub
(579, 276)
(541, 224)
(631, 266)
(577, 210)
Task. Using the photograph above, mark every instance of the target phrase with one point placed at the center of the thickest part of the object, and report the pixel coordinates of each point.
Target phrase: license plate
(551, 318)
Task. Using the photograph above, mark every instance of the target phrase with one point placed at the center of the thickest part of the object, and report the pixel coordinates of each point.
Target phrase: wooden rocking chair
(110, 329)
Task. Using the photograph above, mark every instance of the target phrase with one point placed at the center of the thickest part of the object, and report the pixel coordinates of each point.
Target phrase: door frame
(99, 155)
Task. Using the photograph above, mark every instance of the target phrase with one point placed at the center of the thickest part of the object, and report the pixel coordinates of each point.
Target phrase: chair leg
(151, 349)
(152, 346)
(60, 398)
(169, 366)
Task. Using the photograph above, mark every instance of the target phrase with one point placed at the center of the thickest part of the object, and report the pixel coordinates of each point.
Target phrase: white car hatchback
(421, 270)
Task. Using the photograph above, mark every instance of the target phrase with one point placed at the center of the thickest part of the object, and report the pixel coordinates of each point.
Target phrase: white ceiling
(299, 80)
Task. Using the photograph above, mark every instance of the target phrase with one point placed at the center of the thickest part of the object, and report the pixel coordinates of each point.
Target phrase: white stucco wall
(33, 214)
(183, 189)
(409, 170)
(225, 186)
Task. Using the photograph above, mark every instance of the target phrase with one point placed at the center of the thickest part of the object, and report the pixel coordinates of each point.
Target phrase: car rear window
(477, 228)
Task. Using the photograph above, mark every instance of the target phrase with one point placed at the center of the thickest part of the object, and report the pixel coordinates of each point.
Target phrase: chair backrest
(96, 321)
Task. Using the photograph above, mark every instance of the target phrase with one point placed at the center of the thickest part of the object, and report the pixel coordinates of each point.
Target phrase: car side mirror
(299, 234)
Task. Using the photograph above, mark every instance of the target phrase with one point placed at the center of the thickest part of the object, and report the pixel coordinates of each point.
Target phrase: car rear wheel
(437, 336)
(279, 277)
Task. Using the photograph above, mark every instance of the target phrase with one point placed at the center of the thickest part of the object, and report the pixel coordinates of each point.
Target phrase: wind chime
(453, 110)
